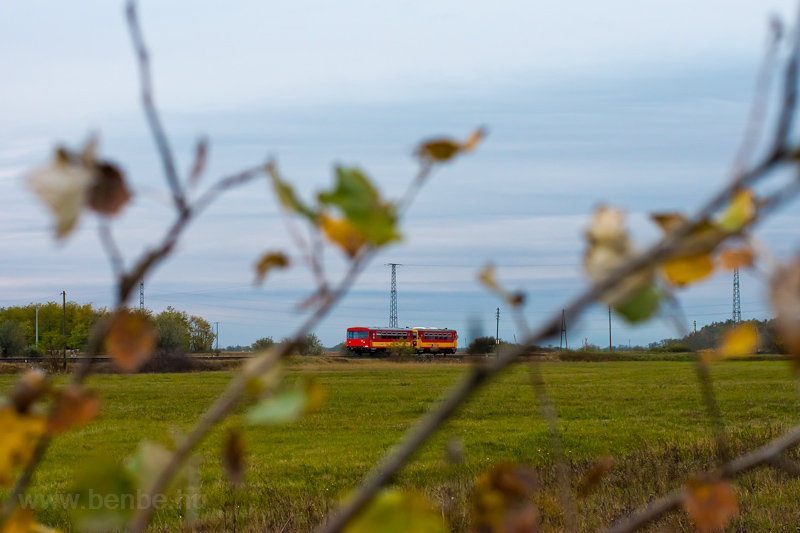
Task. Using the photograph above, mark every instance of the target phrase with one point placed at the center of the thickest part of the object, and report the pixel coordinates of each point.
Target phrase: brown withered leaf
(441, 150)
(29, 389)
(269, 261)
(594, 476)
(502, 497)
(108, 192)
(785, 297)
(737, 258)
(516, 299)
(233, 456)
(710, 503)
(130, 341)
(74, 407)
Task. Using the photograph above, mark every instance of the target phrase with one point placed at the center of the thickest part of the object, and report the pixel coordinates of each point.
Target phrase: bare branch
(110, 246)
(763, 456)
(153, 119)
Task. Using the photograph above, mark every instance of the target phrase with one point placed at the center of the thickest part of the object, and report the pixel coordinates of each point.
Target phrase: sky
(633, 104)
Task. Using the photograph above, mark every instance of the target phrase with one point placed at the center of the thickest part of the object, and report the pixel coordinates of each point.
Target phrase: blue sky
(637, 106)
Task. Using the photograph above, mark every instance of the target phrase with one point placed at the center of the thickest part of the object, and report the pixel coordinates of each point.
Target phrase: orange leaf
(742, 257)
(131, 340)
(75, 407)
(268, 262)
(440, 150)
(710, 504)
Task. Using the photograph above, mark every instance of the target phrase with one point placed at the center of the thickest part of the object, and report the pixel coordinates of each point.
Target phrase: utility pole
(393, 296)
(563, 330)
(37, 325)
(64, 325)
(217, 336)
(737, 306)
(141, 293)
(609, 329)
(695, 326)
(497, 333)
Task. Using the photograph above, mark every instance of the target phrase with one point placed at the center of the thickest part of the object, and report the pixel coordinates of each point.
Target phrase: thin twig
(153, 119)
(110, 246)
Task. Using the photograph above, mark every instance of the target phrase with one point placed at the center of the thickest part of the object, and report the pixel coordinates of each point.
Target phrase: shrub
(482, 345)
(262, 344)
(12, 338)
(311, 345)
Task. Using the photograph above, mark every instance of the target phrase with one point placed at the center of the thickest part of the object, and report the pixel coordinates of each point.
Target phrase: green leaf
(104, 490)
(285, 407)
(396, 511)
(641, 305)
(147, 464)
(362, 206)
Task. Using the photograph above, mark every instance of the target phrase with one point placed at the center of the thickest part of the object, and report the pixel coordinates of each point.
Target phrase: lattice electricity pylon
(563, 339)
(393, 299)
(737, 304)
(141, 294)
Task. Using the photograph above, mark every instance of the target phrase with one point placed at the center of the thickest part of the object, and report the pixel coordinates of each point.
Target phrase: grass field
(647, 415)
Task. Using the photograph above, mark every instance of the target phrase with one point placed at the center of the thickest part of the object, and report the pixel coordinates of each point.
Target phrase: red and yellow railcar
(423, 340)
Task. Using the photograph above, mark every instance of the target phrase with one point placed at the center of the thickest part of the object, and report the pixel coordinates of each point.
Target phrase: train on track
(422, 340)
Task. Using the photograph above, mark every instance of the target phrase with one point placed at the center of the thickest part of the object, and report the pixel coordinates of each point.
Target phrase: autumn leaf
(488, 278)
(640, 305)
(687, 269)
(21, 432)
(441, 150)
(62, 186)
(343, 234)
(594, 476)
(785, 297)
(315, 394)
(360, 203)
(108, 192)
(74, 407)
(741, 341)
(398, 511)
(23, 521)
(710, 503)
(739, 213)
(501, 498)
(269, 261)
(233, 456)
(102, 478)
(737, 258)
(130, 341)
(29, 389)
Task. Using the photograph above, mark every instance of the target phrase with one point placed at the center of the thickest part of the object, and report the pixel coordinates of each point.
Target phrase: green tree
(201, 336)
(311, 345)
(262, 344)
(173, 330)
(482, 345)
(12, 338)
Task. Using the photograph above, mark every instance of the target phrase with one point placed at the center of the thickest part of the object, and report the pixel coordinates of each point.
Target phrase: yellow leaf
(343, 233)
(21, 432)
(740, 212)
(738, 258)
(22, 521)
(710, 504)
(398, 511)
(501, 497)
(268, 262)
(130, 341)
(315, 394)
(686, 269)
(738, 342)
(75, 407)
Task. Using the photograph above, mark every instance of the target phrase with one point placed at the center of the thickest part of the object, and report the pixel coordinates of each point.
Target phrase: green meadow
(647, 415)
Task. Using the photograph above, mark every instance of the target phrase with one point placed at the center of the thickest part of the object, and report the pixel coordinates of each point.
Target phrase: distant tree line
(177, 330)
(709, 337)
